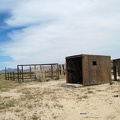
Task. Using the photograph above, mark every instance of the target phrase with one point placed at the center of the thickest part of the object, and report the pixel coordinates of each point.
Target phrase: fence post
(13, 76)
(60, 69)
(51, 72)
(30, 72)
(18, 71)
(63, 67)
(5, 74)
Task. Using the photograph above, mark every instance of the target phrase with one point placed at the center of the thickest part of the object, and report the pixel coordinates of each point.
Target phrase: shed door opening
(74, 70)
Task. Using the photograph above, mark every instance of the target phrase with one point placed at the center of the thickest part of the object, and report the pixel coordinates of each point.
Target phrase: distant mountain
(9, 70)
(2, 71)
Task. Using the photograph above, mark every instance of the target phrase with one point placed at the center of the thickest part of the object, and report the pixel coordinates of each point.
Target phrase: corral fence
(39, 72)
(62, 69)
(10, 75)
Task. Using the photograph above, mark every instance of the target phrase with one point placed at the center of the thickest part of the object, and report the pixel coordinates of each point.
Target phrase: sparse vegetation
(30, 106)
(56, 105)
(79, 98)
(51, 100)
(2, 76)
(17, 110)
(7, 104)
(35, 117)
(6, 85)
(90, 91)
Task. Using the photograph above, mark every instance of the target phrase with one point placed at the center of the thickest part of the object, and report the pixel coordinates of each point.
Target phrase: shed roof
(80, 55)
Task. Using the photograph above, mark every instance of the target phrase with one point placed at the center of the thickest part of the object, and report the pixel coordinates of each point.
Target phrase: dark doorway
(74, 68)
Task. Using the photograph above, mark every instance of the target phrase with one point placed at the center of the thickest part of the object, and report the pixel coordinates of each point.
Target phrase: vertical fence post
(63, 67)
(22, 73)
(60, 69)
(13, 76)
(18, 71)
(5, 74)
(30, 72)
(8, 76)
(35, 71)
(51, 72)
(20, 77)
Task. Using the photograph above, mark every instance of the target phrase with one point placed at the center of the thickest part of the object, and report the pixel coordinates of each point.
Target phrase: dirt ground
(54, 100)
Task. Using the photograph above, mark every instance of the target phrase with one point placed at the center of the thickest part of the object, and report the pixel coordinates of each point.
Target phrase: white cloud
(6, 5)
(56, 29)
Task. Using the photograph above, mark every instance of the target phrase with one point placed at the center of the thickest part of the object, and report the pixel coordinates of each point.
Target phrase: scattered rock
(116, 95)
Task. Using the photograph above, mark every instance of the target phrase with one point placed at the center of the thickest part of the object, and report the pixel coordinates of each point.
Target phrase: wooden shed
(88, 69)
(116, 68)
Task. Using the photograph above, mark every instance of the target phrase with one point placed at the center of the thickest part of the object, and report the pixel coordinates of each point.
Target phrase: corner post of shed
(115, 73)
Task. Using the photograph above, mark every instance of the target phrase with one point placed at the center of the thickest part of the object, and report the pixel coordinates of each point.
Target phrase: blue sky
(3, 27)
(37, 31)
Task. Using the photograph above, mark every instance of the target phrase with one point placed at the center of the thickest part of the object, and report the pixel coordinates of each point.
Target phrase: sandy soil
(54, 100)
